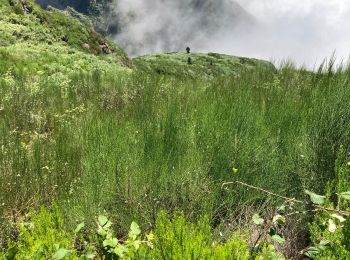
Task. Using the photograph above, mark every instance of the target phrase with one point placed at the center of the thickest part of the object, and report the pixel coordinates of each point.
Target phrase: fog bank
(304, 31)
(168, 25)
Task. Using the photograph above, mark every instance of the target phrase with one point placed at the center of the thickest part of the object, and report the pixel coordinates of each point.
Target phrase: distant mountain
(101, 12)
(84, 6)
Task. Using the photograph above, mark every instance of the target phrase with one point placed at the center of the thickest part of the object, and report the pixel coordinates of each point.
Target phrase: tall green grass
(134, 144)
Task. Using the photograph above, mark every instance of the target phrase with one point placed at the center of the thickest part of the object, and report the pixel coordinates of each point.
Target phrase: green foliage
(174, 238)
(177, 238)
(53, 30)
(42, 235)
(82, 128)
(258, 220)
(330, 231)
(134, 144)
(316, 199)
(106, 245)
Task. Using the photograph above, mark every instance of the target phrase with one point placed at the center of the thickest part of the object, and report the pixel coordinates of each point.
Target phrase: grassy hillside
(82, 133)
(29, 34)
(199, 65)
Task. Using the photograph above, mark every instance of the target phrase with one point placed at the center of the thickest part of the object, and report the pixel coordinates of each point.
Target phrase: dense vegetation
(83, 134)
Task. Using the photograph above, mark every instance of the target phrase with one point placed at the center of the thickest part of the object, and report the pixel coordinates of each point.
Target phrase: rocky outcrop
(26, 7)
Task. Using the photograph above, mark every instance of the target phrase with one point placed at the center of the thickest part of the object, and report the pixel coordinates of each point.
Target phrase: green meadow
(94, 138)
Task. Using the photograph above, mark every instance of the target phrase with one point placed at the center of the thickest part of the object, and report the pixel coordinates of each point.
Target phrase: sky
(169, 25)
(303, 31)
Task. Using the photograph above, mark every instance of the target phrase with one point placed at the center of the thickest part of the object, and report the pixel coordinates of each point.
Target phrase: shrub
(330, 231)
(177, 238)
(42, 236)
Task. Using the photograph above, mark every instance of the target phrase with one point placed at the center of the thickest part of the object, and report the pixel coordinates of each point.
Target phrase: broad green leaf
(279, 219)
(282, 208)
(150, 236)
(150, 245)
(108, 225)
(257, 219)
(272, 231)
(102, 232)
(136, 244)
(324, 242)
(79, 227)
(134, 230)
(313, 252)
(90, 256)
(339, 217)
(120, 250)
(316, 199)
(234, 170)
(102, 220)
(111, 242)
(332, 227)
(279, 239)
(61, 254)
(345, 195)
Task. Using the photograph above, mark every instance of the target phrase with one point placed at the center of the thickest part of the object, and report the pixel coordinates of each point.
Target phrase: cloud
(305, 31)
(168, 25)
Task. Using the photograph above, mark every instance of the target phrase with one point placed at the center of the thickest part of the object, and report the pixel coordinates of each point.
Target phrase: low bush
(42, 235)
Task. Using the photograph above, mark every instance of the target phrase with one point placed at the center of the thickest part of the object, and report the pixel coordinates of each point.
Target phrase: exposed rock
(105, 48)
(26, 7)
(86, 46)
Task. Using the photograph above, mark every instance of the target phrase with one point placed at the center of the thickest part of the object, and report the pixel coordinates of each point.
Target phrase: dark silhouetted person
(188, 49)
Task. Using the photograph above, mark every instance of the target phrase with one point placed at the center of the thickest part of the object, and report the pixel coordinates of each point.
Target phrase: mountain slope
(30, 35)
(52, 41)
